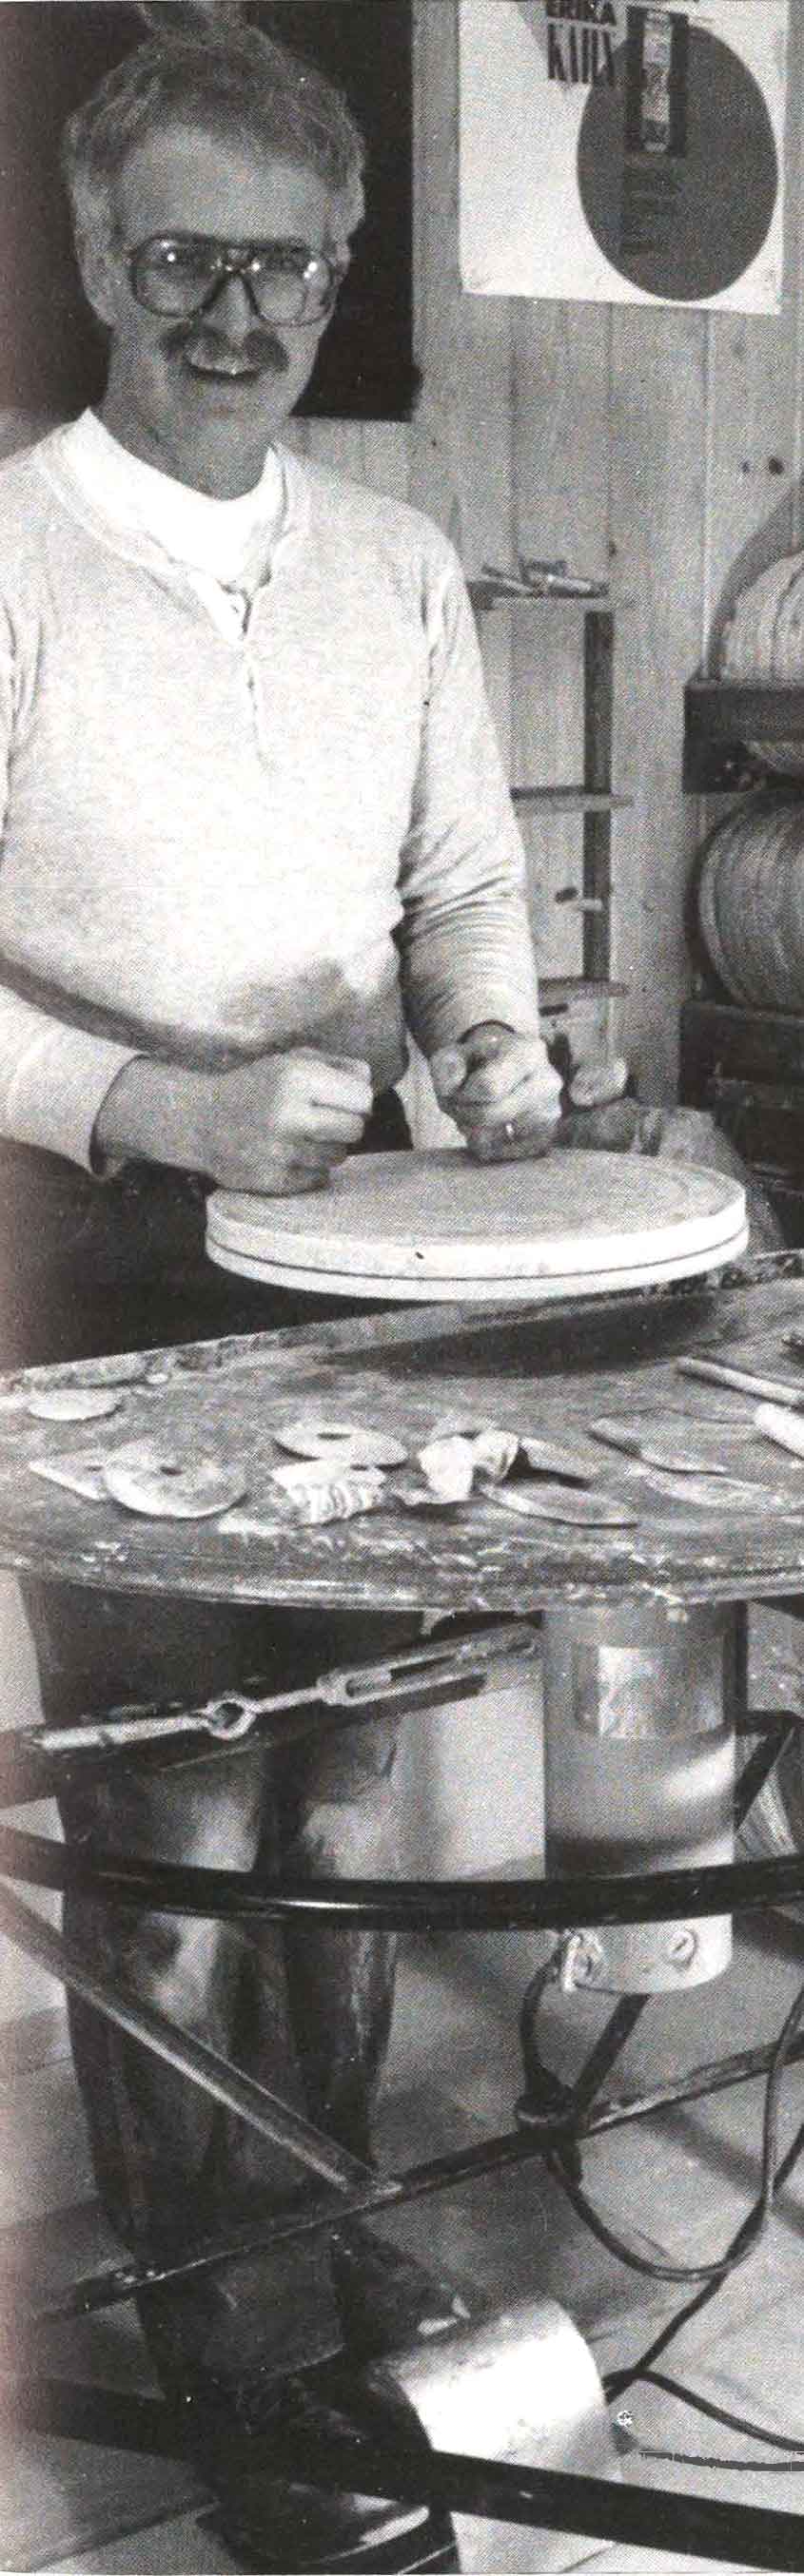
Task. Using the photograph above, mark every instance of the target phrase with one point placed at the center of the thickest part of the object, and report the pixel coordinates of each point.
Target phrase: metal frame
(553, 2120)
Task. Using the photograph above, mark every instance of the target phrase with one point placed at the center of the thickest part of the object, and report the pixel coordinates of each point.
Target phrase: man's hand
(501, 1091)
(283, 1123)
(275, 1126)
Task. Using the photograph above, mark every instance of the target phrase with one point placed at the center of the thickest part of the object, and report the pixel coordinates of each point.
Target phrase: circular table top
(425, 1226)
(549, 1373)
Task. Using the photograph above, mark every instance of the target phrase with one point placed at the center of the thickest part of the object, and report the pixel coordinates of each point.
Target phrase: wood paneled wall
(660, 448)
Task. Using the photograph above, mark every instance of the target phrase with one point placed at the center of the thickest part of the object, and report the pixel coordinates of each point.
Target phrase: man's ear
(97, 278)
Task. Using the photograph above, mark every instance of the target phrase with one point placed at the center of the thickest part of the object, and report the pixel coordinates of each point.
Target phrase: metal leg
(639, 1728)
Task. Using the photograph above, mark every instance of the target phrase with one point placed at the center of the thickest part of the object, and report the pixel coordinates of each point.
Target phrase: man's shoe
(385, 2298)
(274, 2521)
(429, 2549)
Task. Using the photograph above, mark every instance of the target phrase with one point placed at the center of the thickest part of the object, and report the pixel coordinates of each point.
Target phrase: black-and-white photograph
(401, 1287)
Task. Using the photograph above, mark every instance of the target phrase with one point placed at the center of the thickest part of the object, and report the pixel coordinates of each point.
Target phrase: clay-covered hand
(501, 1090)
(275, 1126)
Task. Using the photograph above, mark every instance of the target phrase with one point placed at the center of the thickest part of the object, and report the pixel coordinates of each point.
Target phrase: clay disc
(172, 1484)
(73, 1403)
(439, 1226)
(343, 1444)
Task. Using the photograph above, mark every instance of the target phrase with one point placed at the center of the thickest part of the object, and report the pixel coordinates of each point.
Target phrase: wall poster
(622, 153)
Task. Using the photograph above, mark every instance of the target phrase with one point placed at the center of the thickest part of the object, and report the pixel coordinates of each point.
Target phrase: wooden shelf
(722, 717)
(556, 992)
(592, 797)
(570, 800)
(496, 594)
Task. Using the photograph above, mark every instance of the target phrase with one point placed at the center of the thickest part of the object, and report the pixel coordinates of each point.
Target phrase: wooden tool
(775, 1390)
(440, 1226)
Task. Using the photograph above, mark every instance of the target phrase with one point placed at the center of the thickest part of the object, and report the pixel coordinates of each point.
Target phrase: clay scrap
(314, 1491)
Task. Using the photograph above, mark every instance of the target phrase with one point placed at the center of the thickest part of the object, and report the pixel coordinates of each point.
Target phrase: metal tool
(654, 1453)
(539, 578)
(234, 1713)
(774, 1390)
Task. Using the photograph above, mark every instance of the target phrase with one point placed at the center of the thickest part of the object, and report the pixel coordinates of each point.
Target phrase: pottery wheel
(439, 1226)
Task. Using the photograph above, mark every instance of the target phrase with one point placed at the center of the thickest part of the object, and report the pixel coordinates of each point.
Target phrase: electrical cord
(719, 2414)
(617, 2381)
(642, 2371)
(753, 2226)
(709, 2277)
(715, 2460)
(628, 2440)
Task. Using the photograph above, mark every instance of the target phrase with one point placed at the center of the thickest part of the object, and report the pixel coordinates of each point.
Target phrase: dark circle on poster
(724, 188)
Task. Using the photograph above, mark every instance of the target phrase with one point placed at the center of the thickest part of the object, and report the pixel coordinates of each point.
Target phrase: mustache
(259, 349)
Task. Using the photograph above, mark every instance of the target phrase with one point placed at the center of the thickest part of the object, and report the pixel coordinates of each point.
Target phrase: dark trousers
(92, 1267)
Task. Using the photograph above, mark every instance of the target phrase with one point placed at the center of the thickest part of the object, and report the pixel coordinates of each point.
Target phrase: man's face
(203, 397)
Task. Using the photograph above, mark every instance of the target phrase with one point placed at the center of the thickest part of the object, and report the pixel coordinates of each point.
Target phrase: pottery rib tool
(536, 1501)
(654, 1453)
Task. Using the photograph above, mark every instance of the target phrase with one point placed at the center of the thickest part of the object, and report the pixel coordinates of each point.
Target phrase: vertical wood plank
(561, 499)
(658, 413)
(461, 434)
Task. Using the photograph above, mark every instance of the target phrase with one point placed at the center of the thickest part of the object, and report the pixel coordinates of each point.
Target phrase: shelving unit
(592, 796)
(746, 1064)
(721, 717)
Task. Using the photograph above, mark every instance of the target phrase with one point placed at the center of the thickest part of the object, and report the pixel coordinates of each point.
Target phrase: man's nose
(231, 311)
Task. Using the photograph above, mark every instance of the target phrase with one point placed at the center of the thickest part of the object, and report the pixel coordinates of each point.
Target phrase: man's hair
(207, 67)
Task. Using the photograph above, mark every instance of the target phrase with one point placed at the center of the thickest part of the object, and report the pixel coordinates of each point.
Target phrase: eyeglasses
(180, 274)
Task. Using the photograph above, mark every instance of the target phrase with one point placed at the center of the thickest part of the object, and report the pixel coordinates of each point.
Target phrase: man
(254, 824)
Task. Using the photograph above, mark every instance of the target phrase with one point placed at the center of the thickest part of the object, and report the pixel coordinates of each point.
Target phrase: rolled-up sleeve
(465, 941)
(53, 1077)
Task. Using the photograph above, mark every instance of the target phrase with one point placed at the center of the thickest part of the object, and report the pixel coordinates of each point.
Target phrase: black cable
(630, 2441)
(753, 2227)
(617, 2381)
(717, 2460)
(719, 2414)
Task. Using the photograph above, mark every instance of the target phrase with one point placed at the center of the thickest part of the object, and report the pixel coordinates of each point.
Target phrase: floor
(681, 2182)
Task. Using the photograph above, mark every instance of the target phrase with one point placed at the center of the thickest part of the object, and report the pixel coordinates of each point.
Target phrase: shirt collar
(230, 541)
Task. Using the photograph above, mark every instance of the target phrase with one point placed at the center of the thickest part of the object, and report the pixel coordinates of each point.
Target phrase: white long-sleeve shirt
(230, 827)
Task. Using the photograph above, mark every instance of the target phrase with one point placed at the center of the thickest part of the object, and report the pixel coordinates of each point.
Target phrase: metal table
(687, 1562)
